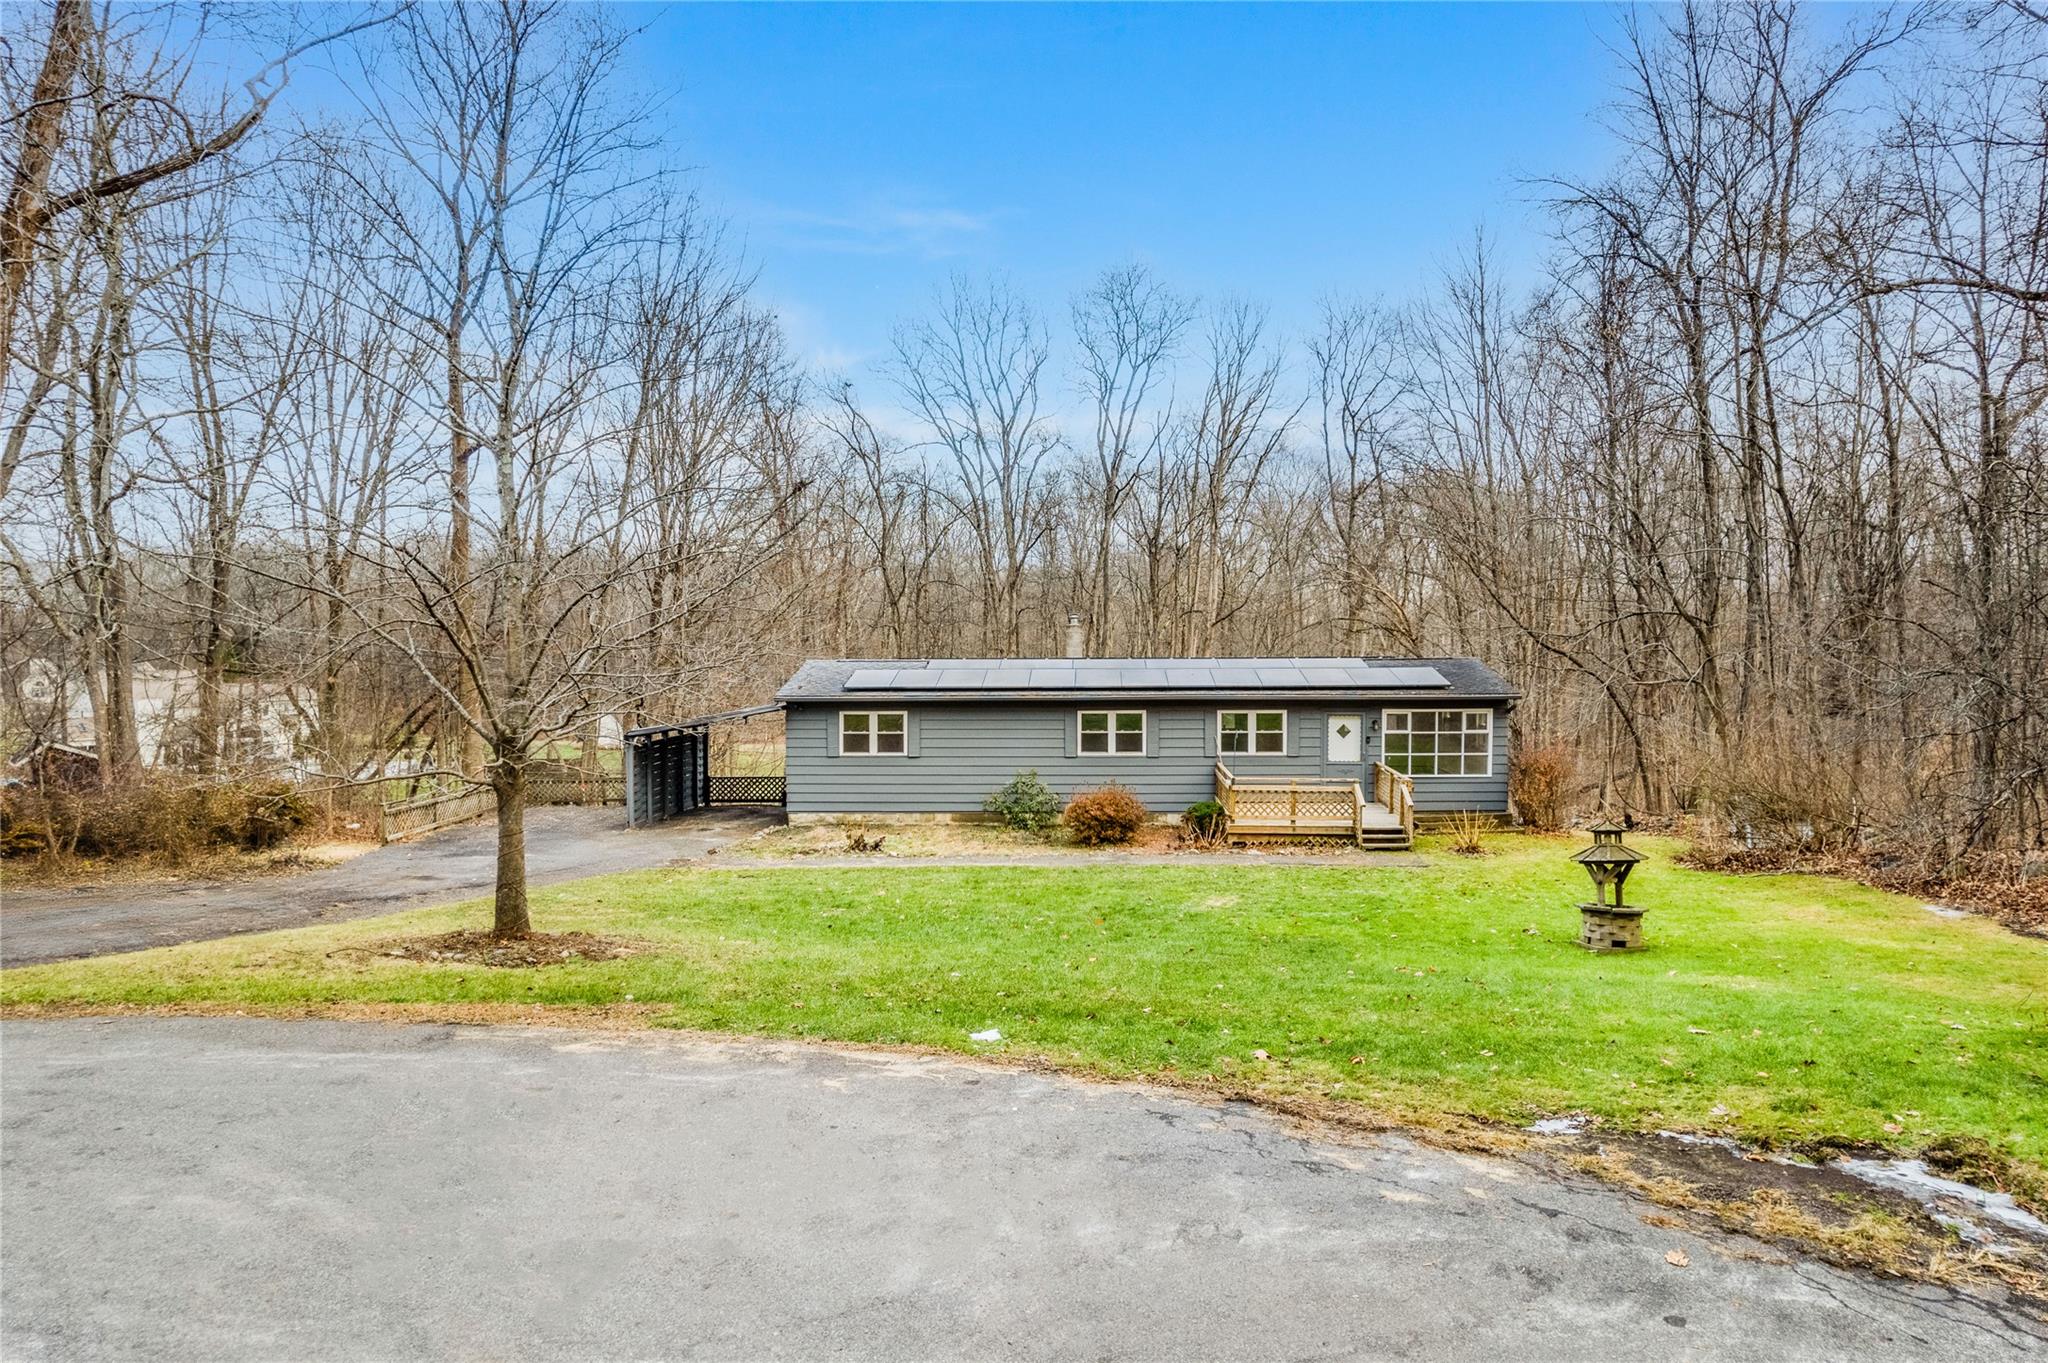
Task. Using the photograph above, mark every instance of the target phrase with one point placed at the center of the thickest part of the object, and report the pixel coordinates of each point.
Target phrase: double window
(1119, 732)
(1440, 742)
(1252, 731)
(872, 733)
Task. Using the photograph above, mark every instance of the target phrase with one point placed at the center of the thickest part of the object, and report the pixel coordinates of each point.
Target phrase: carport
(668, 770)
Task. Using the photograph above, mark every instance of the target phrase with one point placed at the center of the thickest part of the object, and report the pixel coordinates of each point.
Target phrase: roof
(942, 679)
(648, 731)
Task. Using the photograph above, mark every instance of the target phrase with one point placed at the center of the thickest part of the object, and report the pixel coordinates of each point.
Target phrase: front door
(1343, 747)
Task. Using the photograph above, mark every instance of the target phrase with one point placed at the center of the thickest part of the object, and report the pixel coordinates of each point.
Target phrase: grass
(1782, 1009)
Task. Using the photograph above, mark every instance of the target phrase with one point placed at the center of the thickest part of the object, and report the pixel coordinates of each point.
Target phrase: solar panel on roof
(1134, 674)
(871, 679)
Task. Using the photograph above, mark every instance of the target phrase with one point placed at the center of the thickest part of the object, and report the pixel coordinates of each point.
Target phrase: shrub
(1467, 831)
(152, 818)
(1026, 803)
(1110, 815)
(1203, 821)
(1540, 783)
(1810, 806)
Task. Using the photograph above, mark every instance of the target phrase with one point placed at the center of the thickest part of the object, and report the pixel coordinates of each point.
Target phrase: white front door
(1344, 740)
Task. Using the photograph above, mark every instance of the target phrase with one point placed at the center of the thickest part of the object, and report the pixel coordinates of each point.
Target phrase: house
(263, 722)
(1287, 745)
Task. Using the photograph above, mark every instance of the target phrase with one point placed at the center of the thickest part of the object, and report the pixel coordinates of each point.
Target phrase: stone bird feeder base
(1610, 927)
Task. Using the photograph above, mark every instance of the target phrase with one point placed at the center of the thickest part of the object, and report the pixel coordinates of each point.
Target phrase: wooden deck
(1310, 807)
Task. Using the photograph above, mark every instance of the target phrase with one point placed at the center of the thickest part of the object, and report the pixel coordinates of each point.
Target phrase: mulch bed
(534, 949)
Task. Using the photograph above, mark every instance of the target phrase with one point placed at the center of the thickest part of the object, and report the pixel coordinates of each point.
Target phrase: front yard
(1780, 1009)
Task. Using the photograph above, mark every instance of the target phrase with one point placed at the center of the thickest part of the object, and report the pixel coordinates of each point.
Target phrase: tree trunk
(42, 129)
(508, 783)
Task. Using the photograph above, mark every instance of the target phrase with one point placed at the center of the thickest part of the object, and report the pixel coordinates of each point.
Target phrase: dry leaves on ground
(534, 949)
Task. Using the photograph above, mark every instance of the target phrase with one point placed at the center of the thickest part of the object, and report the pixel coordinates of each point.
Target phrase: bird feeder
(1606, 923)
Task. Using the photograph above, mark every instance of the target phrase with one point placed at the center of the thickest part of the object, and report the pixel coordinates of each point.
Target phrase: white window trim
(1144, 733)
(1386, 728)
(839, 730)
(1251, 719)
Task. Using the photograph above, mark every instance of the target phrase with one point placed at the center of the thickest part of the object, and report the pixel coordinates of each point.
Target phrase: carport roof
(647, 731)
(1448, 679)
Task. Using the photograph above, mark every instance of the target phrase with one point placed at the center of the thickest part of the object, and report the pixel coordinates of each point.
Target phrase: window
(1440, 742)
(1113, 731)
(871, 733)
(1257, 731)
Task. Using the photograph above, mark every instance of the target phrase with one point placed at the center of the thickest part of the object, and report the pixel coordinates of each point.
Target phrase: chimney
(1077, 637)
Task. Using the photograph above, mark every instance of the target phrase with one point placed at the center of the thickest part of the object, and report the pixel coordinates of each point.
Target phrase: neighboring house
(895, 737)
(262, 721)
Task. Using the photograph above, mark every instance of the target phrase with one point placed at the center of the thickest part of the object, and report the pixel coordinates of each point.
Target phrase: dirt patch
(513, 953)
(609, 1017)
(217, 865)
(1822, 1211)
(878, 843)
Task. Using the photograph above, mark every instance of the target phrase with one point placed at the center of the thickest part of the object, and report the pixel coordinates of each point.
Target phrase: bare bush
(1111, 814)
(1467, 832)
(167, 820)
(1541, 781)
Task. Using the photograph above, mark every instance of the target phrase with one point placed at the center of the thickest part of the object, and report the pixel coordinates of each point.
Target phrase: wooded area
(460, 422)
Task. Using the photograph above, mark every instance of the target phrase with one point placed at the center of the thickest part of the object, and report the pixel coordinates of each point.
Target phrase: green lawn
(1781, 1008)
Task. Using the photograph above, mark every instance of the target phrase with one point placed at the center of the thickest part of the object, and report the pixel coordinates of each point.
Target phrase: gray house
(1288, 745)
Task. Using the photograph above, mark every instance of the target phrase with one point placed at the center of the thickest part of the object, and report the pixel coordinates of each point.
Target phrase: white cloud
(879, 225)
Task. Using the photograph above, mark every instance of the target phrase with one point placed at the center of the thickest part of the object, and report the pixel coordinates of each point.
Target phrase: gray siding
(959, 752)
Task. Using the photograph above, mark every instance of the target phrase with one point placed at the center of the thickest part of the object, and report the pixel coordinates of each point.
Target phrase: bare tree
(1128, 329)
(972, 375)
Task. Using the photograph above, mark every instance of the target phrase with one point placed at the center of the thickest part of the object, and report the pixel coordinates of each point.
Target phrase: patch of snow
(1557, 1126)
(990, 1035)
(1944, 911)
(1733, 1147)
(1915, 1180)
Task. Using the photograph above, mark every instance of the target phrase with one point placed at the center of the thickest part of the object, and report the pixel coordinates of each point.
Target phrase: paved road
(235, 1189)
(562, 843)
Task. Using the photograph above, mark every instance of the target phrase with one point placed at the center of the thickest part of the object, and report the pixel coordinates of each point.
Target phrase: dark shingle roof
(1035, 678)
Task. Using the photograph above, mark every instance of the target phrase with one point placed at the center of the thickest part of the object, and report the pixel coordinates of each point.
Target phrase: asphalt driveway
(563, 842)
(240, 1189)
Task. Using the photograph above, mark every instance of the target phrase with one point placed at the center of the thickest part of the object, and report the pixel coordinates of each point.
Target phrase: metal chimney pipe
(1077, 637)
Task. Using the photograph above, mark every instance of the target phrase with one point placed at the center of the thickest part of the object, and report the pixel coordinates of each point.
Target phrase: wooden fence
(436, 809)
(550, 785)
(571, 788)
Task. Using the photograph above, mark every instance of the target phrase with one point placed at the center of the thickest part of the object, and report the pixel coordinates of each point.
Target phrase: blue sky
(863, 153)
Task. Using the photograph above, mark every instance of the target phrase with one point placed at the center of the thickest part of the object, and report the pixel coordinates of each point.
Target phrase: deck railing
(1396, 791)
(1290, 804)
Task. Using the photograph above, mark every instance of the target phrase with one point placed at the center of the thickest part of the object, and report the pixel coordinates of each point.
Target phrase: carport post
(629, 782)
